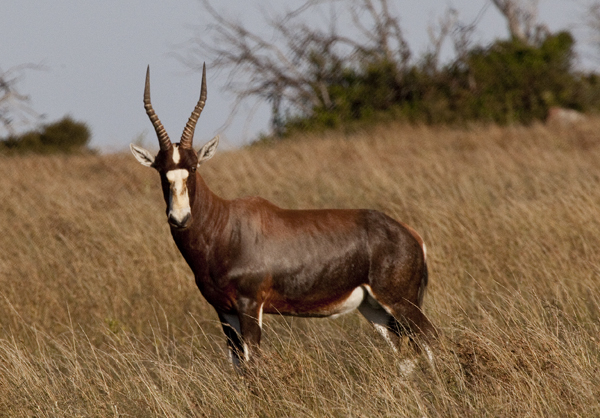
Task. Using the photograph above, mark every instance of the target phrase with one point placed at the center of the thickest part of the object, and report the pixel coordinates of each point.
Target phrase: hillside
(100, 315)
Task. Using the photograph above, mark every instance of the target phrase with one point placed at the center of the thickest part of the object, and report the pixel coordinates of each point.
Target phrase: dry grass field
(99, 314)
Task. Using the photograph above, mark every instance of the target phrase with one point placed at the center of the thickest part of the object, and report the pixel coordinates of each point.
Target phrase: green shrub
(63, 136)
(505, 82)
(516, 82)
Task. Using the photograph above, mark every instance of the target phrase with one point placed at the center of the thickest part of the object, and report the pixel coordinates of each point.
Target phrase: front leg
(232, 330)
(243, 331)
(250, 316)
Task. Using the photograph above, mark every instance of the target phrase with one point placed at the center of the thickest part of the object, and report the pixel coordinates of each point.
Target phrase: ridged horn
(161, 133)
(187, 138)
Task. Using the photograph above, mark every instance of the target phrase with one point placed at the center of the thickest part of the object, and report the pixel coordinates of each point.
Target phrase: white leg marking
(385, 333)
(246, 352)
(176, 156)
(379, 317)
(407, 367)
(429, 354)
(260, 315)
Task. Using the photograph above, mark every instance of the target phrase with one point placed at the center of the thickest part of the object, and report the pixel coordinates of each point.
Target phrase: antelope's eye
(193, 169)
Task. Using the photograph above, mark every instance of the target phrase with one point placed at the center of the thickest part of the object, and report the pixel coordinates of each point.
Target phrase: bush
(506, 82)
(64, 136)
(516, 82)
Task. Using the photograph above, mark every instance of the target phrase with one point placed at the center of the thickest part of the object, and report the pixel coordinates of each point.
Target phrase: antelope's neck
(209, 211)
(210, 214)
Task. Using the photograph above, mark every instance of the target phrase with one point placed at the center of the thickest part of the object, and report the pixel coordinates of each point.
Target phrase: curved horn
(188, 132)
(163, 137)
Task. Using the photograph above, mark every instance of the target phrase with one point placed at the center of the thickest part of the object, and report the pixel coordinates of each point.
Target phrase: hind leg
(385, 324)
(381, 320)
(411, 321)
(399, 320)
(401, 317)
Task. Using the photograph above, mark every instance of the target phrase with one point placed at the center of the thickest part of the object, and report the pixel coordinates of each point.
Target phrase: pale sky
(94, 57)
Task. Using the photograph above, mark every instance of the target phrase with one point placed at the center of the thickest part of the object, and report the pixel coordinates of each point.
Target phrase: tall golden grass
(100, 316)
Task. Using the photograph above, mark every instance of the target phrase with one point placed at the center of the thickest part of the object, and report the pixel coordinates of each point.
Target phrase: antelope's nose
(180, 223)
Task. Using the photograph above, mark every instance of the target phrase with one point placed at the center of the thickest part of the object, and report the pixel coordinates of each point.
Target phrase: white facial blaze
(179, 200)
(176, 156)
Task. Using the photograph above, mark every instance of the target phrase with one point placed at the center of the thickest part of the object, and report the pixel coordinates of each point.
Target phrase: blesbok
(250, 257)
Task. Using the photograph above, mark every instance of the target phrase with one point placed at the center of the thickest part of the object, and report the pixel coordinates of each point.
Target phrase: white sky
(95, 54)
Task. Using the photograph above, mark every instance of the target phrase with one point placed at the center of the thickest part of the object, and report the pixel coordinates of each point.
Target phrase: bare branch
(521, 17)
(295, 62)
(385, 37)
(439, 34)
(14, 106)
(462, 36)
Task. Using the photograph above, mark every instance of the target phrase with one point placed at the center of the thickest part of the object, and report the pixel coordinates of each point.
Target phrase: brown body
(296, 262)
(251, 257)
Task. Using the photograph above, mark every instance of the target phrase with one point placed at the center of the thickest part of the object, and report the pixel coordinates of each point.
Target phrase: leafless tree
(438, 34)
(14, 106)
(292, 65)
(522, 19)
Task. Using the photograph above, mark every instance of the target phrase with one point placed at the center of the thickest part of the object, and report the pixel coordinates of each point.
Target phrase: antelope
(250, 257)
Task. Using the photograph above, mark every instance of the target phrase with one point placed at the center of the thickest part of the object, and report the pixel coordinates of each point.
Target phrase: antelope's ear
(142, 155)
(208, 150)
